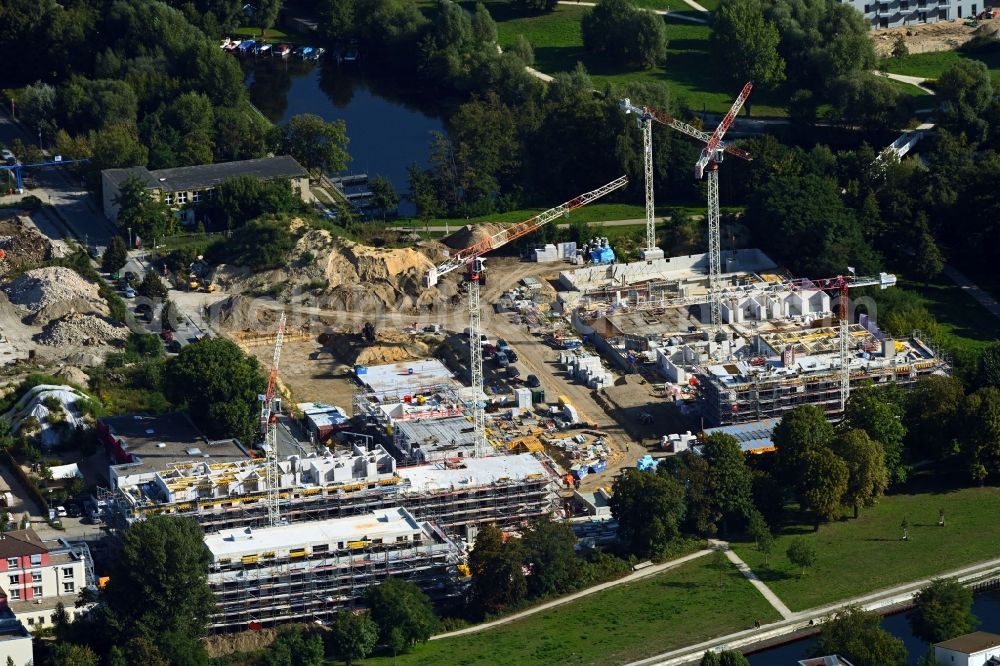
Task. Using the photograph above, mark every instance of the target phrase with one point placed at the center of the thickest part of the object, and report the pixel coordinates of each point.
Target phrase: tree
(800, 430)
(293, 647)
(648, 507)
(729, 478)
(162, 567)
(259, 245)
(867, 477)
(219, 384)
(147, 216)
(353, 636)
(316, 143)
(801, 553)
(618, 32)
(965, 91)
(244, 198)
(534, 6)
(877, 411)
(68, 654)
(402, 612)
(732, 658)
(484, 29)
(266, 13)
(710, 658)
(988, 366)
(758, 530)
(115, 256)
(823, 484)
(549, 553)
(931, 410)
(980, 432)
(745, 44)
(943, 611)
(116, 146)
(384, 197)
(865, 100)
(497, 575)
(152, 286)
(856, 635)
(899, 48)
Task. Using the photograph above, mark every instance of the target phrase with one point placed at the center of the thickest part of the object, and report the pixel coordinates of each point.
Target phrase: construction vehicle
(472, 261)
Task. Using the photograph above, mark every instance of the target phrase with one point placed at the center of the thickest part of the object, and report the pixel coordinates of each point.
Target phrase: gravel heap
(82, 329)
(41, 287)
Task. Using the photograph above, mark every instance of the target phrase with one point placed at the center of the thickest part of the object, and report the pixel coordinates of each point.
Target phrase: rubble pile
(37, 289)
(21, 245)
(82, 329)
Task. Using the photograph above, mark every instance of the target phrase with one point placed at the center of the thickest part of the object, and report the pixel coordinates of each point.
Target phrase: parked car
(532, 382)
(513, 372)
(174, 346)
(167, 335)
(502, 344)
(8, 157)
(489, 350)
(512, 355)
(502, 360)
(129, 292)
(61, 511)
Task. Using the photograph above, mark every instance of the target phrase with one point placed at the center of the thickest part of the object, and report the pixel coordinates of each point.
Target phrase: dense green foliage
(219, 384)
(649, 507)
(353, 636)
(259, 245)
(855, 635)
(239, 200)
(115, 255)
(943, 611)
(617, 31)
(745, 43)
(141, 213)
(402, 612)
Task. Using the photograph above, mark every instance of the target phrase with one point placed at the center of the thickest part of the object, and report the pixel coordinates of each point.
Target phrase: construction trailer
(459, 496)
(310, 571)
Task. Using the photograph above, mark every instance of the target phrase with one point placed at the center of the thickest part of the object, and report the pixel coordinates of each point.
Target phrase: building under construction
(458, 495)
(309, 571)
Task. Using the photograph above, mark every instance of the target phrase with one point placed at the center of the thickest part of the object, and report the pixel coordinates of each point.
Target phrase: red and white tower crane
(269, 432)
(709, 160)
(475, 274)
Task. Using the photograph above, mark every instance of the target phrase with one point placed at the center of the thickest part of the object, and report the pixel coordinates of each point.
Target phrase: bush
(615, 30)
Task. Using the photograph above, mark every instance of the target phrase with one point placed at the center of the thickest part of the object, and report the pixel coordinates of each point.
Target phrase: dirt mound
(333, 273)
(471, 234)
(389, 347)
(22, 245)
(82, 329)
(40, 288)
(74, 375)
(989, 29)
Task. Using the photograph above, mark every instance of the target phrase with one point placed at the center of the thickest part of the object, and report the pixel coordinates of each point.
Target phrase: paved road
(917, 81)
(662, 12)
(970, 287)
(632, 577)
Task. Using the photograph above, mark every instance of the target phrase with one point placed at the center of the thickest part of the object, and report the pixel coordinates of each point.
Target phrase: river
(986, 608)
(390, 123)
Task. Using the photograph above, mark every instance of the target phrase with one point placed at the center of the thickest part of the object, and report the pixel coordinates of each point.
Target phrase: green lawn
(690, 72)
(592, 213)
(861, 556)
(931, 65)
(686, 605)
(963, 323)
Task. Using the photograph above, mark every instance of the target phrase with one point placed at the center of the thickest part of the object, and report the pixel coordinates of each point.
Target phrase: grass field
(860, 556)
(679, 607)
(931, 65)
(964, 325)
(592, 213)
(690, 72)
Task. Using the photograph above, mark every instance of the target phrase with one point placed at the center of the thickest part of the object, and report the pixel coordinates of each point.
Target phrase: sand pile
(471, 234)
(82, 329)
(22, 245)
(390, 346)
(328, 272)
(54, 287)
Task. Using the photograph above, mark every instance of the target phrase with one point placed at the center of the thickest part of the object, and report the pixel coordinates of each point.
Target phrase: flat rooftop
(977, 641)
(385, 524)
(472, 472)
(155, 442)
(405, 378)
(203, 176)
(451, 432)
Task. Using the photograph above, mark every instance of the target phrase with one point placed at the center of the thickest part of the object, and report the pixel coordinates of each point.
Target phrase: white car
(8, 157)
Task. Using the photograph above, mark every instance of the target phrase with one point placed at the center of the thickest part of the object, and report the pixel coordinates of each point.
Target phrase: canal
(390, 123)
(986, 607)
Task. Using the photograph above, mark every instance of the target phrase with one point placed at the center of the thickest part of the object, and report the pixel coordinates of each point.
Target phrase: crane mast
(268, 429)
(475, 274)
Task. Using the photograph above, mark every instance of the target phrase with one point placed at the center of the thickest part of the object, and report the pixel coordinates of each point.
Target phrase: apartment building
(895, 13)
(36, 576)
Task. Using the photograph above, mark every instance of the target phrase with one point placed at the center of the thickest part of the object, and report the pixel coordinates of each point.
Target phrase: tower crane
(269, 430)
(474, 263)
(709, 160)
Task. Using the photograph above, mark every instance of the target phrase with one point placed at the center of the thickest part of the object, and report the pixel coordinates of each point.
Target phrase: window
(31, 620)
(15, 580)
(36, 559)
(12, 563)
(210, 193)
(195, 197)
(36, 591)
(36, 576)
(168, 198)
(67, 572)
(182, 198)
(68, 587)
(15, 594)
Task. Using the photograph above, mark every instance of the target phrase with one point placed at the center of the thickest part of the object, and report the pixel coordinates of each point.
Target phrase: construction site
(298, 572)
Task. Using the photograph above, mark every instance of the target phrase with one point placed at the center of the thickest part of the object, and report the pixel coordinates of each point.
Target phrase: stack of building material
(523, 397)
(548, 253)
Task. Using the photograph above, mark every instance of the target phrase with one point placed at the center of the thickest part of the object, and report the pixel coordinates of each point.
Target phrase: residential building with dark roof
(183, 187)
(980, 648)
